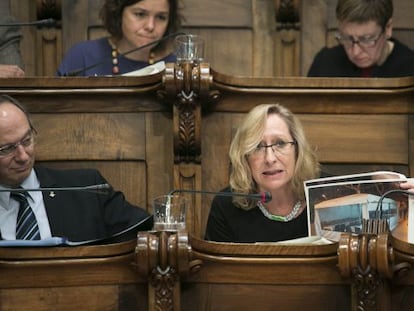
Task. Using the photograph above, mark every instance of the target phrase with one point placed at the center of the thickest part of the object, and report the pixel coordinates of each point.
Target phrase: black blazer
(82, 215)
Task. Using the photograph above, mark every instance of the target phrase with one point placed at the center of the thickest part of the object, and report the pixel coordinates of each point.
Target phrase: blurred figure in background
(366, 47)
(131, 24)
(11, 63)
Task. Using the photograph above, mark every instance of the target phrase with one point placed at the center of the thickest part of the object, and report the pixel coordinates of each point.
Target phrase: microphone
(379, 205)
(263, 197)
(99, 188)
(379, 225)
(76, 72)
(49, 22)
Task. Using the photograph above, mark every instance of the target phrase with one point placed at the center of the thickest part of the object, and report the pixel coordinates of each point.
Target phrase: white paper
(146, 71)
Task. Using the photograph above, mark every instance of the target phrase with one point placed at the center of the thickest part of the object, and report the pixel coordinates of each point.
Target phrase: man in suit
(75, 215)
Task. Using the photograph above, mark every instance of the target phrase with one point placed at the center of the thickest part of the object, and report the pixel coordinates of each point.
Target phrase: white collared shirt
(9, 209)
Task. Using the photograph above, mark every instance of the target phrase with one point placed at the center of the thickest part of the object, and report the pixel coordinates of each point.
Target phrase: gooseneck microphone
(378, 224)
(99, 188)
(263, 197)
(77, 72)
(49, 22)
(378, 210)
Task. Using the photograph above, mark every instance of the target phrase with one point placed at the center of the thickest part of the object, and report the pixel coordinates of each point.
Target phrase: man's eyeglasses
(27, 141)
(279, 147)
(363, 42)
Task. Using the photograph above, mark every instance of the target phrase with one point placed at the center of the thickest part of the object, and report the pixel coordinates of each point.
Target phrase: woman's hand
(408, 185)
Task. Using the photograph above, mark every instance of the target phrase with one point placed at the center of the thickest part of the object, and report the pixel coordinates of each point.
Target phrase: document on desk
(146, 71)
(33, 243)
(124, 235)
(312, 240)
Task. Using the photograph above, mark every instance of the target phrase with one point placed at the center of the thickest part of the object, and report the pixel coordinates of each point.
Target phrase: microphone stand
(264, 197)
(43, 22)
(100, 188)
(379, 225)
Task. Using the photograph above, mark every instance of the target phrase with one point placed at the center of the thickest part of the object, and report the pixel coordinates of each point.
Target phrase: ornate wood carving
(287, 40)
(49, 9)
(48, 37)
(187, 88)
(164, 258)
(368, 260)
(287, 14)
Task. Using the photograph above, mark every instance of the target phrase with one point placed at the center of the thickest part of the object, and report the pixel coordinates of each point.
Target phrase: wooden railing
(172, 130)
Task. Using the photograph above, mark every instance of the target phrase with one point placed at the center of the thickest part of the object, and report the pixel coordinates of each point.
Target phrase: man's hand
(11, 71)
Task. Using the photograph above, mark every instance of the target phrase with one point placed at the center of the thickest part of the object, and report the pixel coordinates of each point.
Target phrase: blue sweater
(94, 58)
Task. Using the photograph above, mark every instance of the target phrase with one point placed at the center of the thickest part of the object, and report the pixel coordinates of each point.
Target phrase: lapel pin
(52, 194)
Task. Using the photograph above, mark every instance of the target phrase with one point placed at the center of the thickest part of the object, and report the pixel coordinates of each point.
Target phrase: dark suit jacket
(83, 215)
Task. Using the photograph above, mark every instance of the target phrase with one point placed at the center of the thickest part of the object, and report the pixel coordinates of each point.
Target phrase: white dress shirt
(10, 207)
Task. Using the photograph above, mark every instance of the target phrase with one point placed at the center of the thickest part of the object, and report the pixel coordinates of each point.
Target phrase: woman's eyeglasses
(363, 41)
(279, 147)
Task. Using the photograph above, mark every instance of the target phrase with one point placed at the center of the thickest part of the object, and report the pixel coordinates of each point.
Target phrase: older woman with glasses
(366, 47)
(269, 153)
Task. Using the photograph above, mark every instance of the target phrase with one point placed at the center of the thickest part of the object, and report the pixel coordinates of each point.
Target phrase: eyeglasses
(27, 141)
(279, 147)
(363, 42)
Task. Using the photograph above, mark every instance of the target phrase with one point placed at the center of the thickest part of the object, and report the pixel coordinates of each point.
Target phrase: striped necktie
(26, 225)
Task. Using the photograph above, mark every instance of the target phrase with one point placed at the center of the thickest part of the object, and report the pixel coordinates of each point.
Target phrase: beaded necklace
(286, 218)
(115, 55)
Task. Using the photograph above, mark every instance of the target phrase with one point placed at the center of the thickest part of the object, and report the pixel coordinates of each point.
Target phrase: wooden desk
(365, 272)
(71, 278)
(265, 277)
(121, 124)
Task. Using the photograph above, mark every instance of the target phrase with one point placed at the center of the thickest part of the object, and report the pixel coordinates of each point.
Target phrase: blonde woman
(269, 153)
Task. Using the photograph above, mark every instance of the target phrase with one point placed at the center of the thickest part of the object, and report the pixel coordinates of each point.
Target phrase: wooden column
(287, 40)
(187, 92)
(164, 259)
(368, 260)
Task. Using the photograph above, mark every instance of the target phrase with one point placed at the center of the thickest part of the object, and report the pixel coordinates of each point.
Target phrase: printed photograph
(337, 207)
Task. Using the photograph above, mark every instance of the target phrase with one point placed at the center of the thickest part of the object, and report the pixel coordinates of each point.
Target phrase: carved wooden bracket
(187, 88)
(164, 258)
(49, 9)
(287, 14)
(368, 259)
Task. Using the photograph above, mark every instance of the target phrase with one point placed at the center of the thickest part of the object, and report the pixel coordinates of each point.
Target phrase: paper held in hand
(342, 203)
